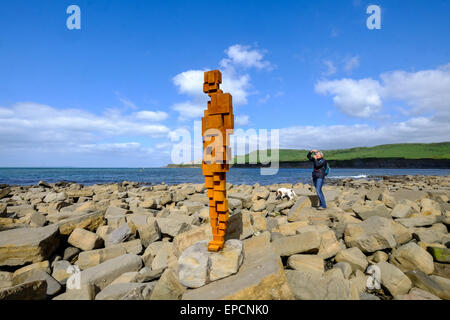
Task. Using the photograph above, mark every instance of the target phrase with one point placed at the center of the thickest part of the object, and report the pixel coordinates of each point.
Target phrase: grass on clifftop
(404, 150)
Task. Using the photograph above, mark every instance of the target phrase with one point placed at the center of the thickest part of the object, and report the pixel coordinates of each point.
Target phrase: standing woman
(318, 175)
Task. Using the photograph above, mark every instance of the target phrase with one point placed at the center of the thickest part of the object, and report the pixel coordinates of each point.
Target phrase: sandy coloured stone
(106, 272)
(84, 239)
(33, 290)
(260, 277)
(308, 242)
(394, 279)
(27, 245)
(412, 257)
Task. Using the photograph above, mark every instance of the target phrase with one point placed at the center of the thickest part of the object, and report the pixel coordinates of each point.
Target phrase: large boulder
(401, 210)
(394, 279)
(307, 242)
(412, 257)
(172, 227)
(119, 291)
(295, 213)
(306, 262)
(197, 266)
(118, 235)
(417, 294)
(91, 258)
(329, 246)
(84, 239)
(53, 286)
(89, 221)
(261, 276)
(168, 287)
(375, 233)
(417, 221)
(365, 212)
(103, 274)
(4, 192)
(430, 207)
(246, 199)
(146, 227)
(440, 288)
(354, 257)
(411, 195)
(33, 290)
(317, 286)
(27, 245)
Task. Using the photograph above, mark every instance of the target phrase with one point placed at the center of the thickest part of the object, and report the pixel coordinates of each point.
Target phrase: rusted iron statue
(217, 125)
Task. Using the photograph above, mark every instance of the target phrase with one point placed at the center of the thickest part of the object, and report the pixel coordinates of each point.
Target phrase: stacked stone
(217, 125)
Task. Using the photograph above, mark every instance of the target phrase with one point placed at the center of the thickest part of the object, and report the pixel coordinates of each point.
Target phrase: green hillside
(403, 150)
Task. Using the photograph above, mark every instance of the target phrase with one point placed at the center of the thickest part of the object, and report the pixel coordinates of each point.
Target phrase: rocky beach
(378, 239)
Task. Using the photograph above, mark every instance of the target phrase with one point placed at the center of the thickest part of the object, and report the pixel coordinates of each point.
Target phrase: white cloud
(152, 115)
(41, 127)
(189, 110)
(190, 82)
(358, 98)
(419, 130)
(425, 91)
(242, 120)
(126, 146)
(237, 85)
(240, 55)
(351, 64)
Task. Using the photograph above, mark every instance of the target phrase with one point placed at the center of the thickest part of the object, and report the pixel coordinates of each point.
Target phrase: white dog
(284, 192)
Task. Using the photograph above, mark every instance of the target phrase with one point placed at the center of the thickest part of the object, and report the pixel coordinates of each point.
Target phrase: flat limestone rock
(409, 195)
(34, 290)
(88, 221)
(88, 259)
(417, 221)
(86, 292)
(425, 282)
(261, 276)
(375, 233)
(118, 290)
(27, 245)
(394, 279)
(317, 286)
(103, 274)
(168, 287)
(412, 257)
(307, 242)
(53, 286)
(417, 294)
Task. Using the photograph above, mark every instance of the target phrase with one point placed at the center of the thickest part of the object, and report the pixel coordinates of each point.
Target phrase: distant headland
(392, 156)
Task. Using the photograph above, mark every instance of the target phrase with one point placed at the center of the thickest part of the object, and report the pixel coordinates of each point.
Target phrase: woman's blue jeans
(318, 182)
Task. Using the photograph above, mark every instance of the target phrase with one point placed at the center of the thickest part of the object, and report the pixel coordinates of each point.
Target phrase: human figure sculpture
(217, 125)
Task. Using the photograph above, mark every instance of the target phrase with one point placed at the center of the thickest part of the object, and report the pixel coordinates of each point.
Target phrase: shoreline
(358, 163)
(330, 180)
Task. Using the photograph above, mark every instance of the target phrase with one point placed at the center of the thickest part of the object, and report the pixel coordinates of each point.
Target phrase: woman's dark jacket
(319, 166)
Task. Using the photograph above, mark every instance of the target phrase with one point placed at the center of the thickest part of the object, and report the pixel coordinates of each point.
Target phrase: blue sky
(115, 92)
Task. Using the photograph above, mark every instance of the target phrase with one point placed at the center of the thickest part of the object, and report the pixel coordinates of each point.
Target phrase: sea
(149, 176)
